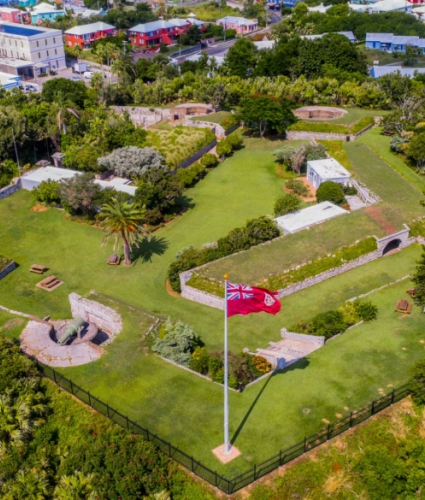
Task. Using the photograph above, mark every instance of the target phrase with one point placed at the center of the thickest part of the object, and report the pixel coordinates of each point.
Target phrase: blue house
(393, 43)
(44, 12)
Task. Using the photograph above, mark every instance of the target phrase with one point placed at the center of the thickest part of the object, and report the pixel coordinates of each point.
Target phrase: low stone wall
(296, 135)
(364, 259)
(190, 293)
(11, 189)
(312, 339)
(103, 317)
(8, 269)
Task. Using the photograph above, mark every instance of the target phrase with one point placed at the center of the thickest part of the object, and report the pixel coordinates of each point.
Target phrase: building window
(39, 56)
(38, 45)
(45, 41)
(54, 40)
(47, 52)
(16, 43)
(56, 52)
(22, 44)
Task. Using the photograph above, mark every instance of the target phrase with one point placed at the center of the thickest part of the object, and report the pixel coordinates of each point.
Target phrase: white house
(30, 50)
(33, 179)
(240, 24)
(329, 169)
(310, 216)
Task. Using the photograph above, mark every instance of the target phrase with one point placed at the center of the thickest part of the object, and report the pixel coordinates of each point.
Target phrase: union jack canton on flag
(243, 299)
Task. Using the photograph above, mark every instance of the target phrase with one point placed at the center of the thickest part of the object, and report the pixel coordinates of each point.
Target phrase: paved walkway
(36, 342)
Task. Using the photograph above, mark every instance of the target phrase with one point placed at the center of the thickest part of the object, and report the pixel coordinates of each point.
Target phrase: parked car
(88, 75)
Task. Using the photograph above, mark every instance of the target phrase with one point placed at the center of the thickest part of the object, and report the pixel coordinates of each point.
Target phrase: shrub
(176, 341)
(287, 204)
(187, 177)
(209, 160)
(417, 384)
(262, 229)
(8, 170)
(223, 148)
(199, 360)
(349, 190)
(330, 191)
(235, 141)
(297, 187)
(328, 324)
(47, 192)
(366, 310)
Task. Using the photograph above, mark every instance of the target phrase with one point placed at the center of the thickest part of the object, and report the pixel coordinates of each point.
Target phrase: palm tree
(76, 487)
(123, 221)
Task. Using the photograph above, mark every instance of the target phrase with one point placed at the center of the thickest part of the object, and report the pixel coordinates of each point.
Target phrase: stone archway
(391, 246)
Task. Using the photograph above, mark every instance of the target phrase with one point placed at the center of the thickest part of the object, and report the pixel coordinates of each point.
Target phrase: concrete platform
(36, 342)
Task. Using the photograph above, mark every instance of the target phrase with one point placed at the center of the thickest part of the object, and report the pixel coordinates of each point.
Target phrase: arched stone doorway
(391, 246)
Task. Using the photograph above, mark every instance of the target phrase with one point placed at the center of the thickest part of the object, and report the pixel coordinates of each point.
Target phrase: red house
(14, 15)
(86, 34)
(158, 32)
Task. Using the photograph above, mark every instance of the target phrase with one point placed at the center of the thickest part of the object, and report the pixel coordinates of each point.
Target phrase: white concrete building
(33, 179)
(30, 50)
(310, 216)
(329, 169)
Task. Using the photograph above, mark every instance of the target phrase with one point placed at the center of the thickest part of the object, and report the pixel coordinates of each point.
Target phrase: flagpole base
(224, 457)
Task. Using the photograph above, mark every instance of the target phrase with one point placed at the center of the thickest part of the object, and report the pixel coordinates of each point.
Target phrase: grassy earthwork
(183, 408)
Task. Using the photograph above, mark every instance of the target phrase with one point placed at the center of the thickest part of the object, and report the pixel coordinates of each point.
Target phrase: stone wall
(196, 295)
(9, 268)
(296, 135)
(9, 190)
(103, 317)
(402, 235)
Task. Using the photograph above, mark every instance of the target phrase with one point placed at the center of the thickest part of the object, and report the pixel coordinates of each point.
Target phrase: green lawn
(213, 117)
(180, 406)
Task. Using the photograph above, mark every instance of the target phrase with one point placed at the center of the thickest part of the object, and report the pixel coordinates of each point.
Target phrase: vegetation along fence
(228, 485)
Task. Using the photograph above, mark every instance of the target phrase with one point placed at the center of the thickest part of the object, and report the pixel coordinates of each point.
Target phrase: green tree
(417, 383)
(192, 36)
(47, 192)
(416, 149)
(412, 55)
(241, 58)
(419, 280)
(287, 204)
(123, 221)
(330, 191)
(262, 113)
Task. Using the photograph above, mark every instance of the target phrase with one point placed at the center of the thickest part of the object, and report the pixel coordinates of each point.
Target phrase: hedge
(293, 276)
(333, 128)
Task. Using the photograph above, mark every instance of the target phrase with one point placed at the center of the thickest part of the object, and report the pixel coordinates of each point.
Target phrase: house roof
(89, 28)
(44, 7)
(348, 34)
(239, 21)
(153, 26)
(25, 30)
(389, 5)
(395, 39)
(315, 214)
(179, 22)
(329, 169)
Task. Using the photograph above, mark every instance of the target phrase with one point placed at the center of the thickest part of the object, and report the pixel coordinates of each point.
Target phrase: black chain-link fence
(228, 485)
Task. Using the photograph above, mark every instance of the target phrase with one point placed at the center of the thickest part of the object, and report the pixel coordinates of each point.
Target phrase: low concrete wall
(11, 189)
(296, 135)
(103, 317)
(8, 269)
(197, 295)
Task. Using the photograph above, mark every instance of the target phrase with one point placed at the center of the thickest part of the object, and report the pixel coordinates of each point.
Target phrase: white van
(88, 75)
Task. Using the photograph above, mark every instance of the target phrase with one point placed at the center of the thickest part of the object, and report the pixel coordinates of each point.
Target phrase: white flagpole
(226, 375)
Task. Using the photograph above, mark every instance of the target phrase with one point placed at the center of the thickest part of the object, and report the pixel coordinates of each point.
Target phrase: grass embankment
(329, 127)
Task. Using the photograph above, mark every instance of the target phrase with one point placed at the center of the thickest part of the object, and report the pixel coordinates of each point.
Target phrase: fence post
(54, 376)
(192, 463)
(393, 397)
(255, 472)
(351, 419)
(88, 393)
(128, 427)
(280, 458)
(215, 479)
(305, 444)
(373, 408)
(147, 434)
(169, 449)
(329, 432)
(107, 410)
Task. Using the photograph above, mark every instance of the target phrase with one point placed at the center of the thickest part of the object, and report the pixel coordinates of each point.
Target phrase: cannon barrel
(71, 329)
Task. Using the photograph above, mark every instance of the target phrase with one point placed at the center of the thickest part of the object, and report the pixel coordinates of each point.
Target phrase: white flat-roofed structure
(310, 216)
(33, 179)
(329, 169)
(29, 50)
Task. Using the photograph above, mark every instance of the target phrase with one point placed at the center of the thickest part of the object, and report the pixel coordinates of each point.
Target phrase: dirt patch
(170, 291)
(378, 215)
(39, 208)
(11, 324)
(312, 192)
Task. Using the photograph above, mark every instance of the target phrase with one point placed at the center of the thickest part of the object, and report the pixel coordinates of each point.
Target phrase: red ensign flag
(242, 299)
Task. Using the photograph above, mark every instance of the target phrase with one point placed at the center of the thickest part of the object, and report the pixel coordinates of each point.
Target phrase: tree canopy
(132, 161)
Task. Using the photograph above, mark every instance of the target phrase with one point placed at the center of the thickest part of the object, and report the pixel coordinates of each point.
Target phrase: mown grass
(218, 117)
(353, 115)
(11, 326)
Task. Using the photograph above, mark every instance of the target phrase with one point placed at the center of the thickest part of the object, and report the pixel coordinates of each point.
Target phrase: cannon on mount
(72, 329)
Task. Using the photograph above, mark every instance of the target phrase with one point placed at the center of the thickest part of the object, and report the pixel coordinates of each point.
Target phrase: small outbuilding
(297, 221)
(329, 169)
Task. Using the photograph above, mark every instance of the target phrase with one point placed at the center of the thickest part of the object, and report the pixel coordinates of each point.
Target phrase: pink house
(240, 24)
